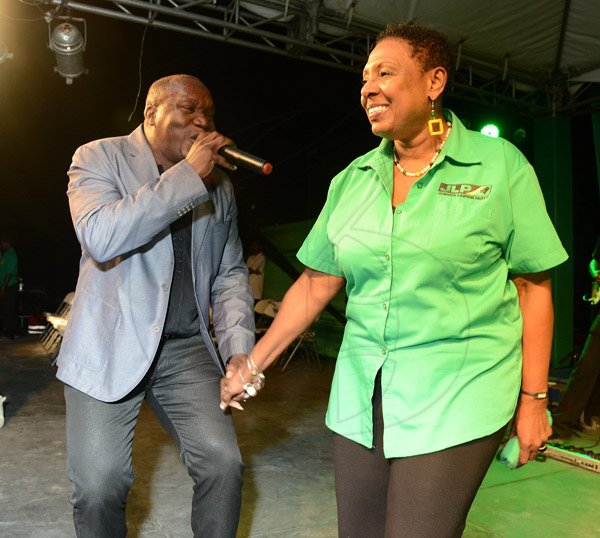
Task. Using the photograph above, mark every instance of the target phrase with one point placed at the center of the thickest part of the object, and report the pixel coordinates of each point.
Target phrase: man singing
(157, 225)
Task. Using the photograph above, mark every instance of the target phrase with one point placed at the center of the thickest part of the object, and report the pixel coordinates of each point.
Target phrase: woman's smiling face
(395, 91)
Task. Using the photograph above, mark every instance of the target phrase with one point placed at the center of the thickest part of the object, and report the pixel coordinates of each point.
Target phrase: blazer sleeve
(114, 210)
(231, 297)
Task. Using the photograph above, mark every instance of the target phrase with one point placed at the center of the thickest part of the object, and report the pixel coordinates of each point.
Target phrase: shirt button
(384, 351)
(398, 210)
(155, 328)
(164, 287)
(385, 306)
(387, 257)
(419, 185)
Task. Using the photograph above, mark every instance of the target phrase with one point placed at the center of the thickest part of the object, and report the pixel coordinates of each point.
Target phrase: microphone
(247, 160)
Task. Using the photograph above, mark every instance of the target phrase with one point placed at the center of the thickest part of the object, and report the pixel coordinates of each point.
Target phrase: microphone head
(267, 169)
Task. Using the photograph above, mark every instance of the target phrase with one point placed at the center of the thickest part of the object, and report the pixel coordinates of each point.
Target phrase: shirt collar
(457, 148)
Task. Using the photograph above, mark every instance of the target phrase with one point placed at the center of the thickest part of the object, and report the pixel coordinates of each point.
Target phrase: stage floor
(288, 488)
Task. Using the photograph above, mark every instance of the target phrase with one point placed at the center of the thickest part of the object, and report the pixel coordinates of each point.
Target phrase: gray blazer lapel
(143, 167)
(140, 157)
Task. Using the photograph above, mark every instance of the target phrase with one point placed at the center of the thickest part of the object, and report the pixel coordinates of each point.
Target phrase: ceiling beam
(277, 28)
(561, 38)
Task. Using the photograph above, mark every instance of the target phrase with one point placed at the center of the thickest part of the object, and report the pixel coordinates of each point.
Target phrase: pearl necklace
(425, 169)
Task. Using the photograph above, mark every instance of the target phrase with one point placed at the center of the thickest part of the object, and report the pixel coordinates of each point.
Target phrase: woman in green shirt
(442, 241)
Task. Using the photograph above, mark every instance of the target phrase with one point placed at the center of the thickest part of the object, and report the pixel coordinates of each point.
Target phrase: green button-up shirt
(430, 303)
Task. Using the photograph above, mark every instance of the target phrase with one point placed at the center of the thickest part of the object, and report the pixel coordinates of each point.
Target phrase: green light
(490, 130)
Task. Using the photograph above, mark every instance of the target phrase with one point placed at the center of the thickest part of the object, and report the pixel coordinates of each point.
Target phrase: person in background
(256, 269)
(157, 223)
(8, 287)
(2, 400)
(442, 240)
(580, 403)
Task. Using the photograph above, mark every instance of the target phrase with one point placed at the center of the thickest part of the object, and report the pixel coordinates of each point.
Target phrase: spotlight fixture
(519, 135)
(490, 130)
(5, 54)
(68, 45)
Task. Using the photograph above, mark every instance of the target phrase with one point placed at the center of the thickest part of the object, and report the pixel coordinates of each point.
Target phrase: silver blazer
(121, 210)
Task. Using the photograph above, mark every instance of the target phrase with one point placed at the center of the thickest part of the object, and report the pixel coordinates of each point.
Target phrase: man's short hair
(162, 88)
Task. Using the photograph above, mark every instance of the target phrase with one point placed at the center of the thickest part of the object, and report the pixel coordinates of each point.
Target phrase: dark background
(302, 117)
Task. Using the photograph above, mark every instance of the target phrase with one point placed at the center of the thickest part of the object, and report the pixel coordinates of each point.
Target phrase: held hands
(203, 155)
(232, 386)
(242, 380)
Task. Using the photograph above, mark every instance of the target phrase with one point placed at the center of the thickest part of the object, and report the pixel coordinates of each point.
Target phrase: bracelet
(257, 375)
(257, 381)
(251, 362)
(250, 388)
(244, 380)
(254, 370)
(535, 395)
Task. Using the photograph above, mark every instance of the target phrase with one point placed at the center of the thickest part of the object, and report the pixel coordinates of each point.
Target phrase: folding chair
(307, 342)
(57, 322)
(266, 310)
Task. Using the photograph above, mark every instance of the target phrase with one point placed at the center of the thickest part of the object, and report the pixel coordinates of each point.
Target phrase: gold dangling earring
(435, 125)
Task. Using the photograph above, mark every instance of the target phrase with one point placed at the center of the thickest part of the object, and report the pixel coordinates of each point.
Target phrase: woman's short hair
(430, 47)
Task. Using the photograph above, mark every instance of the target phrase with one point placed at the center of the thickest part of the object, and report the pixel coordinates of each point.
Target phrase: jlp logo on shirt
(466, 190)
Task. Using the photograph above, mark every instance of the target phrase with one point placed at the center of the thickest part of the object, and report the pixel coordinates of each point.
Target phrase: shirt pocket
(458, 230)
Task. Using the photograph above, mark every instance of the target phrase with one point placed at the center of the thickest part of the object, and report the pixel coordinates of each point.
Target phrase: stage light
(490, 130)
(5, 54)
(68, 45)
(519, 136)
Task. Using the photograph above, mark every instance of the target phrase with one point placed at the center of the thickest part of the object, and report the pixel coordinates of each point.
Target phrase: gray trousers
(182, 389)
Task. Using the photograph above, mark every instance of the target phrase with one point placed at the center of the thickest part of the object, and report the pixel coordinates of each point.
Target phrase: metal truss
(307, 30)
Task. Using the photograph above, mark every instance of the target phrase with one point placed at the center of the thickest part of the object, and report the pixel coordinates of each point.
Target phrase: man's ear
(150, 114)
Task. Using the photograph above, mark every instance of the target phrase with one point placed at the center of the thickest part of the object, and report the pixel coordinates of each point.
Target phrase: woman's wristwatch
(535, 395)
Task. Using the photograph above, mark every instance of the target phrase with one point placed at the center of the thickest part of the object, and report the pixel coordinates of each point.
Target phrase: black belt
(164, 337)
